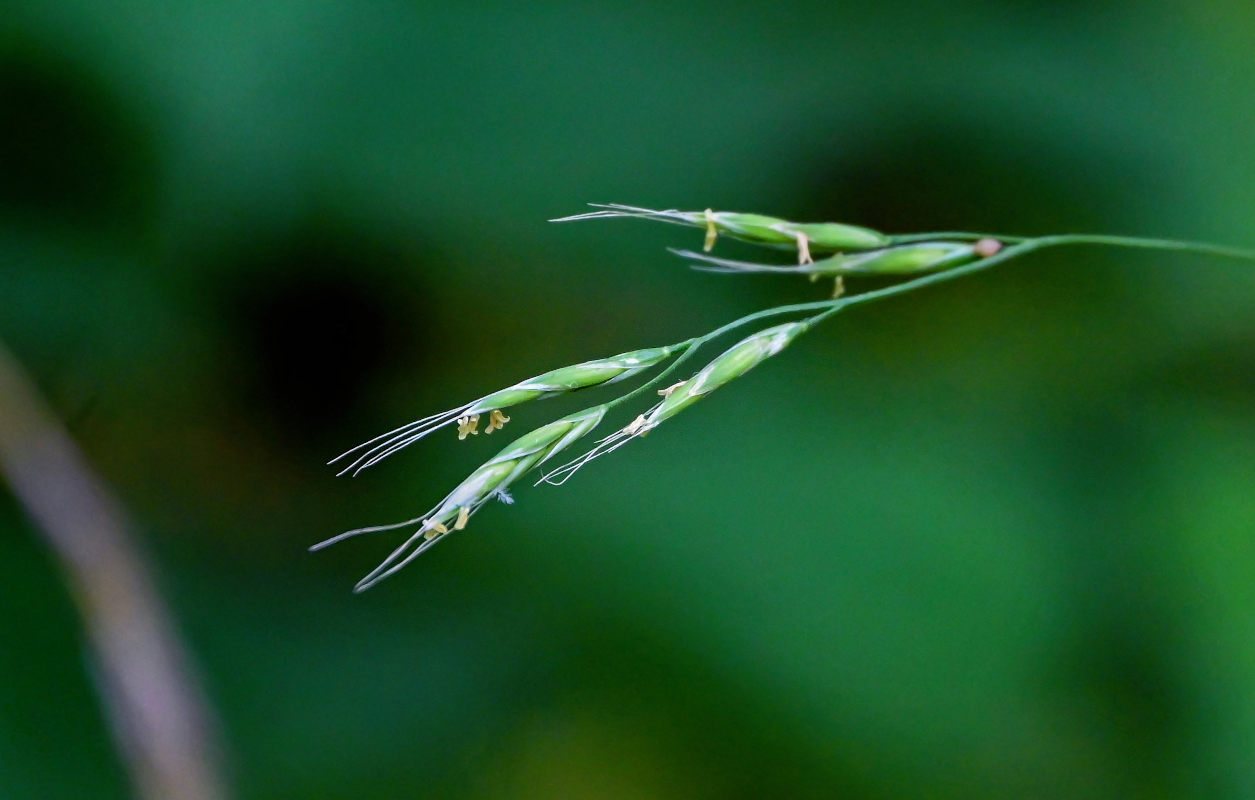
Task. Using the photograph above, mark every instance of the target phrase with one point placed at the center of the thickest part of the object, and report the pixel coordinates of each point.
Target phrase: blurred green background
(992, 540)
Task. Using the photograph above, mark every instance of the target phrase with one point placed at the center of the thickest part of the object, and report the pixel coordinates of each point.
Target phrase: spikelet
(491, 479)
(732, 363)
(904, 259)
(807, 237)
(467, 416)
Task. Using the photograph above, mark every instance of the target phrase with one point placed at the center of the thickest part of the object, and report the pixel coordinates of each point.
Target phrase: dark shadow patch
(70, 152)
(937, 172)
(317, 317)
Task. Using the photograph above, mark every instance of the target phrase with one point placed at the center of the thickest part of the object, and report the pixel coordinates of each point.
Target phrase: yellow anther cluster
(468, 426)
(496, 421)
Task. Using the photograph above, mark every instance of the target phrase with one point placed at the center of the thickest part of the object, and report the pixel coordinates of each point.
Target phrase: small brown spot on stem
(987, 247)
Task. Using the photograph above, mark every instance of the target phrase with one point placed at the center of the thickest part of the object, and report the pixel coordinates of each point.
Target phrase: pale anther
(464, 514)
(803, 249)
(667, 391)
(433, 529)
(467, 426)
(496, 421)
(712, 233)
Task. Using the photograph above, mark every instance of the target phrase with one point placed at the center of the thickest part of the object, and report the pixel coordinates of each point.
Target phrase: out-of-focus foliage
(994, 540)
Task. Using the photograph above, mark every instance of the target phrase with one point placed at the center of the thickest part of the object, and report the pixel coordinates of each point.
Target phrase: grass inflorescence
(845, 251)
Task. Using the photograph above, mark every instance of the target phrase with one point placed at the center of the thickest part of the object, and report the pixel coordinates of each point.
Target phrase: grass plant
(916, 261)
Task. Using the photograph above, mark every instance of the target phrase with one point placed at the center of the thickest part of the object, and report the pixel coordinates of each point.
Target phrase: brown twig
(152, 700)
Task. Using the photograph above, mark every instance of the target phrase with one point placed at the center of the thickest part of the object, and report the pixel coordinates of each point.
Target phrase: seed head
(466, 417)
(491, 479)
(732, 363)
(826, 237)
(907, 259)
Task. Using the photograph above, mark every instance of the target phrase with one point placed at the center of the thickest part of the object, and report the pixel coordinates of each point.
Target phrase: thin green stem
(687, 348)
(1202, 248)
(684, 348)
(1018, 246)
(1015, 247)
(959, 236)
(827, 309)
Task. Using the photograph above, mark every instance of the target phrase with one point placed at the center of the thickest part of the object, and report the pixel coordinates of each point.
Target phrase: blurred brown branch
(152, 700)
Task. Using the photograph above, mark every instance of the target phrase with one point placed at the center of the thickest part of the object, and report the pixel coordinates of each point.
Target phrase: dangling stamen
(496, 421)
(712, 233)
(433, 528)
(803, 249)
(467, 426)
